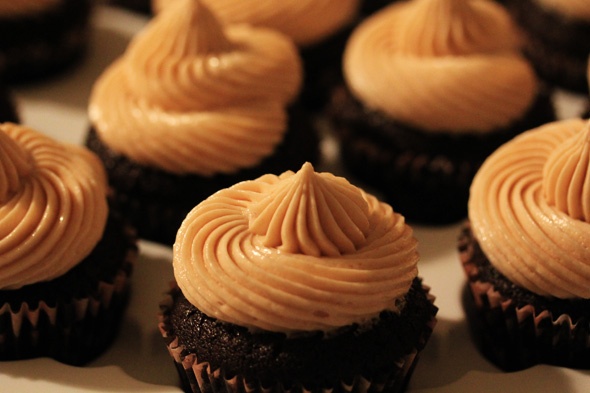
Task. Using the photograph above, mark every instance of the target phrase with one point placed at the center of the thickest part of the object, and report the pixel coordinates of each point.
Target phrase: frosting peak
(566, 176)
(297, 252)
(15, 165)
(455, 28)
(441, 65)
(189, 93)
(307, 214)
(529, 209)
(52, 217)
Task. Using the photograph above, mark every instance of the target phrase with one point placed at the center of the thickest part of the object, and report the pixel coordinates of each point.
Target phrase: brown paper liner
(196, 376)
(73, 330)
(515, 337)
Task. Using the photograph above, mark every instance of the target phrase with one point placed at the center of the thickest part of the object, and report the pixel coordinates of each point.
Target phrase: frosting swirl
(576, 9)
(188, 87)
(305, 21)
(296, 252)
(441, 65)
(53, 206)
(530, 209)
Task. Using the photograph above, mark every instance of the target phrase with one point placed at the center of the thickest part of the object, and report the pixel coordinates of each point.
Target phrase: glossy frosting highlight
(53, 206)
(441, 65)
(530, 209)
(297, 252)
(305, 21)
(189, 87)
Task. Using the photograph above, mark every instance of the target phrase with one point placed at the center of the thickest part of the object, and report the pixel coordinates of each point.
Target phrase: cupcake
(558, 39)
(65, 255)
(432, 88)
(319, 28)
(526, 249)
(297, 282)
(41, 38)
(193, 107)
(141, 6)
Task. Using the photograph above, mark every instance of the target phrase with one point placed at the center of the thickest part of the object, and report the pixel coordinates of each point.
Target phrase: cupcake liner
(74, 330)
(199, 376)
(517, 336)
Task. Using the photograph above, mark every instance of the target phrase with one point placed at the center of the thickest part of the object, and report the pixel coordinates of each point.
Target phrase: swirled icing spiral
(577, 9)
(192, 96)
(324, 255)
(530, 209)
(305, 21)
(53, 206)
(441, 65)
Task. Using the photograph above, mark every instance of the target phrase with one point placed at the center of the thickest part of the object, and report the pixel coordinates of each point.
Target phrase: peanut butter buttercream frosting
(576, 9)
(53, 206)
(530, 209)
(305, 21)
(442, 65)
(189, 87)
(301, 251)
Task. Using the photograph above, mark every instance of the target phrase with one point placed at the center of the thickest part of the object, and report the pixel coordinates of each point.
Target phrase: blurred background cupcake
(558, 39)
(193, 107)
(66, 255)
(526, 249)
(431, 88)
(298, 282)
(319, 28)
(41, 38)
(8, 107)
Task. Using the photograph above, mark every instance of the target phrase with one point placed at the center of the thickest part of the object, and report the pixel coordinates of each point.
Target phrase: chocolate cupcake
(8, 108)
(558, 39)
(141, 6)
(65, 254)
(526, 249)
(297, 282)
(193, 107)
(41, 38)
(319, 28)
(433, 87)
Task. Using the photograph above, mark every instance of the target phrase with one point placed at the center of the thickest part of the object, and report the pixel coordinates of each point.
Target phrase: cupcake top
(305, 21)
(53, 206)
(530, 209)
(441, 65)
(297, 252)
(9, 7)
(576, 9)
(188, 87)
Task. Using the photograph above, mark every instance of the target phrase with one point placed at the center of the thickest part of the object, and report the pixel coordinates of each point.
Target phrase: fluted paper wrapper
(73, 330)
(517, 337)
(199, 376)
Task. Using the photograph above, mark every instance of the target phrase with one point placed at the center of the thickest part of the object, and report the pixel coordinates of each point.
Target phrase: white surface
(138, 360)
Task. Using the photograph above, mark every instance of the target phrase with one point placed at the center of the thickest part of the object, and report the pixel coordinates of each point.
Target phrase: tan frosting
(19, 7)
(187, 88)
(296, 252)
(576, 9)
(530, 209)
(53, 206)
(441, 65)
(305, 21)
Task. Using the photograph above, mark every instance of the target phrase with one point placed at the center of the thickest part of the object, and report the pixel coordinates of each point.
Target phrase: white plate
(138, 360)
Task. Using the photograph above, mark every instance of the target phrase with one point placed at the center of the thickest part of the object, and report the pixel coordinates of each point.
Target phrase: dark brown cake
(8, 109)
(156, 202)
(103, 275)
(558, 45)
(40, 45)
(312, 361)
(510, 341)
(425, 176)
(141, 6)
